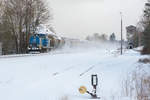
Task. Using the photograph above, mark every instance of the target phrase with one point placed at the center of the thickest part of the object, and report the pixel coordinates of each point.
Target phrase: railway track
(28, 55)
(21, 55)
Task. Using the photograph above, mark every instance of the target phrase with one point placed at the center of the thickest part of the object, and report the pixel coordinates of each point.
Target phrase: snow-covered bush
(145, 60)
(137, 86)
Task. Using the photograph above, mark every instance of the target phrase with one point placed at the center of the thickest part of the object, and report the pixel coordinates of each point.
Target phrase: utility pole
(121, 33)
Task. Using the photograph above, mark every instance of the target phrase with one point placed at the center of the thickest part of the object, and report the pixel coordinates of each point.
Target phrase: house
(131, 31)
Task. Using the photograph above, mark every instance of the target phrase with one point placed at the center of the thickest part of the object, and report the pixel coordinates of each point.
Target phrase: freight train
(44, 42)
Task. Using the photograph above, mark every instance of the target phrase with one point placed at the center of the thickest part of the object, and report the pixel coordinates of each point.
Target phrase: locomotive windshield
(42, 35)
(34, 40)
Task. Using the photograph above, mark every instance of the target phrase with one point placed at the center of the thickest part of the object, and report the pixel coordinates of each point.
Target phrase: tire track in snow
(74, 66)
(95, 65)
(65, 70)
(89, 69)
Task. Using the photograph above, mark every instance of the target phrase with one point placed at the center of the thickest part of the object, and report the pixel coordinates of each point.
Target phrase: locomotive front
(39, 43)
(34, 43)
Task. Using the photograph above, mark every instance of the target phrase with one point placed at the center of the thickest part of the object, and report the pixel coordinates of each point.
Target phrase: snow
(60, 73)
(139, 48)
(42, 29)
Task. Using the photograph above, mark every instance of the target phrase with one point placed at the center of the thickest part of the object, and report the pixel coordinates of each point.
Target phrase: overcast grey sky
(79, 18)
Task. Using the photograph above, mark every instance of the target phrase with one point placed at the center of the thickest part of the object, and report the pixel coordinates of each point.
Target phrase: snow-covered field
(58, 74)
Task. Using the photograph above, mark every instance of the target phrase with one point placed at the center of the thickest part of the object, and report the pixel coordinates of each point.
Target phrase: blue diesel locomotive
(39, 43)
(44, 42)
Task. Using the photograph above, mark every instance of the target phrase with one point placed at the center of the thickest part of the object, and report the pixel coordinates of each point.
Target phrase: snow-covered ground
(58, 74)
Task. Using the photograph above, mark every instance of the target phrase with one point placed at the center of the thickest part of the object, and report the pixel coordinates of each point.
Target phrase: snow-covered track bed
(53, 75)
(22, 55)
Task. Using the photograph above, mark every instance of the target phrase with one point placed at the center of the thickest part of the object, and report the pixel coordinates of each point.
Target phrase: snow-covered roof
(42, 29)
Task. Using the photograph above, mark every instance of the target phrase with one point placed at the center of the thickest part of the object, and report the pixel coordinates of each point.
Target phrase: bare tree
(137, 86)
(21, 18)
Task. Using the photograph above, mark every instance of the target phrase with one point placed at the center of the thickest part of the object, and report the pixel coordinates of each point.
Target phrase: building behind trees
(132, 36)
(146, 32)
(140, 35)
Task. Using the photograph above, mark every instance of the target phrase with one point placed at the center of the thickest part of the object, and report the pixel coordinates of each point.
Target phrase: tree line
(146, 25)
(141, 36)
(18, 20)
(101, 37)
